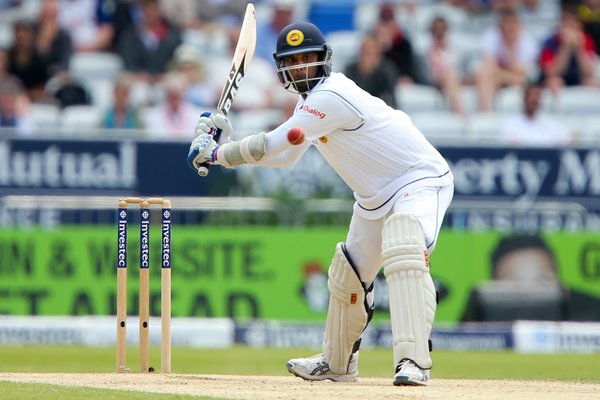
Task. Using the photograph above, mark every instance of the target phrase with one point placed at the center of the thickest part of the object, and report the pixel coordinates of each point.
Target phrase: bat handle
(203, 170)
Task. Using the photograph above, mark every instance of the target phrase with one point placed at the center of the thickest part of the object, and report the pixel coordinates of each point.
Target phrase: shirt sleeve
(323, 112)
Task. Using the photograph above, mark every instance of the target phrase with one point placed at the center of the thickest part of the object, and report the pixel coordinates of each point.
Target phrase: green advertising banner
(271, 273)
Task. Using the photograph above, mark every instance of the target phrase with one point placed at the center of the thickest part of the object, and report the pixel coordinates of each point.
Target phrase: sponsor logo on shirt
(312, 111)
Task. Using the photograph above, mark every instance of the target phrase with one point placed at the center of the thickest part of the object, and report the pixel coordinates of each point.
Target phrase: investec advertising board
(267, 272)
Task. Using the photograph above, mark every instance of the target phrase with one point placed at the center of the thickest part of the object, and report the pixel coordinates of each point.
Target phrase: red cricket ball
(295, 136)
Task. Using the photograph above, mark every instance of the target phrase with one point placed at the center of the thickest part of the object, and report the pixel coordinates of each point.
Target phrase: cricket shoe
(316, 368)
(409, 374)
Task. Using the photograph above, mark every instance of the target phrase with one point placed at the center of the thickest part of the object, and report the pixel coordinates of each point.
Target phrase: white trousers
(363, 243)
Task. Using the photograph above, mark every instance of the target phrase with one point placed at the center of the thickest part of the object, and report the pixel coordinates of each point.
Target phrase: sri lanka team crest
(294, 37)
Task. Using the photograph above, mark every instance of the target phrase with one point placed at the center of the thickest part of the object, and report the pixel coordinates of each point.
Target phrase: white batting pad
(411, 289)
(347, 315)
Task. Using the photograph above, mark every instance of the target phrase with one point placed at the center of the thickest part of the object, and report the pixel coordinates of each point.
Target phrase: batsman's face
(301, 69)
(296, 60)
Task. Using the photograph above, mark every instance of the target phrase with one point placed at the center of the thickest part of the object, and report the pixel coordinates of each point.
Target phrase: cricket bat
(244, 50)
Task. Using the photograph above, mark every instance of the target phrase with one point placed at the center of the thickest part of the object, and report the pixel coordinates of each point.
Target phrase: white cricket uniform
(378, 152)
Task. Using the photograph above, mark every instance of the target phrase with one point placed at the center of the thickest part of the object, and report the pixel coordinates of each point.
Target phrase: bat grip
(204, 168)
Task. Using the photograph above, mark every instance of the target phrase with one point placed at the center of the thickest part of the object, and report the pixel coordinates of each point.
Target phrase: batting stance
(402, 187)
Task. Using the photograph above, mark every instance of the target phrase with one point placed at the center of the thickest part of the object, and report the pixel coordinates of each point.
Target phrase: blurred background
(98, 100)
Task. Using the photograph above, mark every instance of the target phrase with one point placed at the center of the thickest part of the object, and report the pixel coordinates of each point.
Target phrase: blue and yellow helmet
(300, 38)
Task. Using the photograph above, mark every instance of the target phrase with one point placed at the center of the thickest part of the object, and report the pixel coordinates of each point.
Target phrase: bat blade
(242, 55)
(244, 51)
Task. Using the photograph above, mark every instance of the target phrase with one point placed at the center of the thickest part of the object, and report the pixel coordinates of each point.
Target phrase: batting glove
(216, 125)
(210, 129)
(202, 151)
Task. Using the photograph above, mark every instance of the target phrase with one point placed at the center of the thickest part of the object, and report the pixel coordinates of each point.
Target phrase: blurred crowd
(150, 66)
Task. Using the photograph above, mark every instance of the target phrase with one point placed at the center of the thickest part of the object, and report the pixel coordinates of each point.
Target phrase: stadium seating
(579, 100)
(440, 125)
(95, 65)
(77, 119)
(345, 45)
(485, 127)
(417, 98)
(45, 117)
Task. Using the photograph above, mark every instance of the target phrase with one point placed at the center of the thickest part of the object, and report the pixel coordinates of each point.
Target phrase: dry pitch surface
(288, 388)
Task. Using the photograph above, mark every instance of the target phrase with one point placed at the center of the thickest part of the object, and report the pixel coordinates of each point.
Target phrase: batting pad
(348, 313)
(411, 290)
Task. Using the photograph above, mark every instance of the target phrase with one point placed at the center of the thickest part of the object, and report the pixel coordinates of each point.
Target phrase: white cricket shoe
(409, 374)
(316, 368)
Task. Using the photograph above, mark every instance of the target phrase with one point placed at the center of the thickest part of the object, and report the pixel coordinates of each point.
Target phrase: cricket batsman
(402, 187)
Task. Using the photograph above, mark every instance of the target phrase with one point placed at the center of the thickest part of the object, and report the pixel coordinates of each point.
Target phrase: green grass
(242, 360)
(247, 361)
(21, 391)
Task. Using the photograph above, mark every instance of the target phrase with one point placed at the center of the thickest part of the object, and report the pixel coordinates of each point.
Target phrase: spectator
(568, 56)
(174, 117)
(148, 46)
(26, 63)
(122, 115)
(509, 58)
(5, 74)
(396, 45)
(211, 11)
(529, 128)
(123, 14)
(503, 5)
(13, 107)
(589, 13)
(373, 73)
(200, 14)
(199, 91)
(266, 32)
(88, 24)
(444, 66)
(183, 13)
(52, 41)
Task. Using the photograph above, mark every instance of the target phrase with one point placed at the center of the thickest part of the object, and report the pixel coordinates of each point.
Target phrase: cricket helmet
(300, 38)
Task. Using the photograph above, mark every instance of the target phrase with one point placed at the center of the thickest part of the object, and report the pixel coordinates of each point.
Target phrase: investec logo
(53, 167)
(122, 256)
(145, 240)
(166, 239)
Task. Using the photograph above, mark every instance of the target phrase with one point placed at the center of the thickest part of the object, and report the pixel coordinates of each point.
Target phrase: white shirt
(78, 17)
(526, 51)
(375, 149)
(538, 131)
